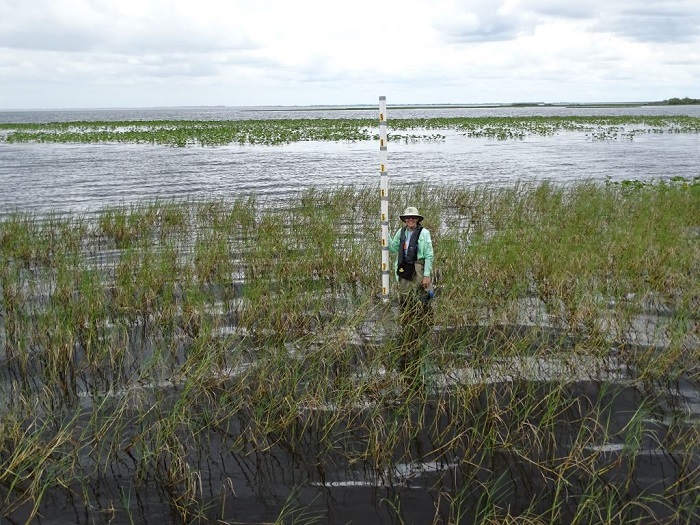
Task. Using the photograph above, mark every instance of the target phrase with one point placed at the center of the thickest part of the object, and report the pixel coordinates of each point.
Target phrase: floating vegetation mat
(283, 131)
(222, 361)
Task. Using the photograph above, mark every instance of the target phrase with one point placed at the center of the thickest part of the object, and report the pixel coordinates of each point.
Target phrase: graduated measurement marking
(384, 198)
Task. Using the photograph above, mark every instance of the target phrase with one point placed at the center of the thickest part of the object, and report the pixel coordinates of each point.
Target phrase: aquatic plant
(190, 357)
(182, 133)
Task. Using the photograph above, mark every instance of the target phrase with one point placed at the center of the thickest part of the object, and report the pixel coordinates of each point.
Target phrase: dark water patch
(451, 461)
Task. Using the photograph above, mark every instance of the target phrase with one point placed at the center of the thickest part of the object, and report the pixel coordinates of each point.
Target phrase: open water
(87, 177)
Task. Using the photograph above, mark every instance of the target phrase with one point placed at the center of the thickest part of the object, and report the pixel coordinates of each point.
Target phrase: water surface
(85, 177)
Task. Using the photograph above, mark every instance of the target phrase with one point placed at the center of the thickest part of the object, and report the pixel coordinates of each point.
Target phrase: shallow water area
(608, 425)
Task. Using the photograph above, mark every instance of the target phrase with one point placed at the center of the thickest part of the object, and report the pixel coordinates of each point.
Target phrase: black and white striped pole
(384, 196)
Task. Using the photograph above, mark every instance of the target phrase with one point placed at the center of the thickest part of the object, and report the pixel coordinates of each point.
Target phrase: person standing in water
(414, 263)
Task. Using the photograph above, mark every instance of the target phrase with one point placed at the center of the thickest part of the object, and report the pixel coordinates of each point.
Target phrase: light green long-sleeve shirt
(425, 248)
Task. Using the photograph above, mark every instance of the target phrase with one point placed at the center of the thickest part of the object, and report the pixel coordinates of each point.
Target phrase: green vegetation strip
(144, 345)
(282, 131)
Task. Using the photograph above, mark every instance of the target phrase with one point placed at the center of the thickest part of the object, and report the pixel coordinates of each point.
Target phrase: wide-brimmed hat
(411, 211)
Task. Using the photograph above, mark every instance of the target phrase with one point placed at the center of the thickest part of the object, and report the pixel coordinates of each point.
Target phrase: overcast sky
(141, 53)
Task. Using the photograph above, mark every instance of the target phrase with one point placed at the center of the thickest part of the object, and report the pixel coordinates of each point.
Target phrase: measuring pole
(384, 197)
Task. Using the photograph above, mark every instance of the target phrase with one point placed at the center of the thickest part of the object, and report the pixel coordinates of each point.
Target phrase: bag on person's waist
(406, 270)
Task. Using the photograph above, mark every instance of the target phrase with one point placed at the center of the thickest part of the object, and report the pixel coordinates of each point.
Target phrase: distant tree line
(682, 101)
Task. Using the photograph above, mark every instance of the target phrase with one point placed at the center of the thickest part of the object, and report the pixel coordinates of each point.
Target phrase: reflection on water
(466, 446)
(82, 177)
(319, 474)
(61, 177)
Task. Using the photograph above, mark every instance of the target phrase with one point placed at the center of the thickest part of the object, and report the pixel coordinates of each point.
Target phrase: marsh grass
(202, 350)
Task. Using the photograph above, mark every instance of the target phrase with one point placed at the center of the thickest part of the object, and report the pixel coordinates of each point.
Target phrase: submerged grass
(185, 354)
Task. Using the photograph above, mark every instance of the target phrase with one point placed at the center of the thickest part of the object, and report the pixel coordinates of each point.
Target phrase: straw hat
(411, 211)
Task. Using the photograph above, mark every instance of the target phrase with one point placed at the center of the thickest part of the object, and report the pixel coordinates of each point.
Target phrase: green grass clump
(183, 133)
(172, 351)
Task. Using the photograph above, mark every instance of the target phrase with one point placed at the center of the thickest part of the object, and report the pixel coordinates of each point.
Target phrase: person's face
(411, 222)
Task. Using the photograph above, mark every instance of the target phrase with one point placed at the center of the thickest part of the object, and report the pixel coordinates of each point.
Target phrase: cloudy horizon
(97, 53)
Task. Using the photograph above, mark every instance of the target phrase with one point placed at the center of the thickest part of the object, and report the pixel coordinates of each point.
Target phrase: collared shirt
(425, 248)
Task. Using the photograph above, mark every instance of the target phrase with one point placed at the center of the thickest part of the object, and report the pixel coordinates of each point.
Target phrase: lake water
(85, 177)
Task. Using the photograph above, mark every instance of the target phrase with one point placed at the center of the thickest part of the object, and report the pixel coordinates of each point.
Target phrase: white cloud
(146, 52)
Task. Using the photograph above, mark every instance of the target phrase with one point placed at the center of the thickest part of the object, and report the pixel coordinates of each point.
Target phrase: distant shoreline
(365, 107)
(470, 106)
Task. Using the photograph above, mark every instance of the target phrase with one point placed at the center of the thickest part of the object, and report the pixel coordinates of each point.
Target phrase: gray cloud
(548, 8)
(657, 22)
(493, 30)
(466, 24)
(140, 52)
(99, 28)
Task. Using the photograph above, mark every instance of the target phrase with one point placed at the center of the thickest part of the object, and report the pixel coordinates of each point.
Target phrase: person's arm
(425, 251)
(394, 242)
